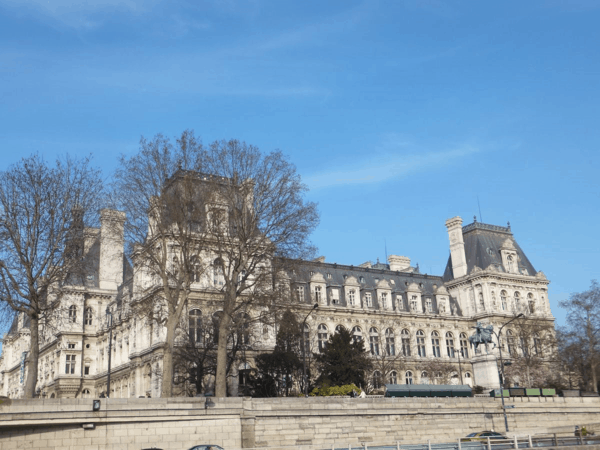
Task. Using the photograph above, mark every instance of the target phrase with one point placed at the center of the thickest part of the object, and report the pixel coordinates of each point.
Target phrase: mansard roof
(483, 243)
(368, 278)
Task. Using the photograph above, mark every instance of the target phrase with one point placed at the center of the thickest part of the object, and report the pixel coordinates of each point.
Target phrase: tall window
(218, 278)
(464, 345)
(339, 328)
(408, 378)
(384, 300)
(72, 313)
(400, 301)
(435, 344)
(351, 297)
(413, 303)
(503, 300)
(306, 338)
(450, 344)
(318, 294)
(195, 326)
(357, 334)
(368, 299)
(517, 301)
(510, 261)
(429, 305)
(70, 364)
(196, 272)
(393, 377)
(242, 324)
(300, 293)
(374, 341)
(405, 336)
(531, 303)
(322, 336)
(421, 343)
(537, 345)
(89, 315)
(390, 342)
(481, 302)
(510, 342)
(377, 379)
(424, 378)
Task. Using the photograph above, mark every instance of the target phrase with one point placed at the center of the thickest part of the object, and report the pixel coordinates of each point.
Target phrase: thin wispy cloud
(77, 14)
(388, 166)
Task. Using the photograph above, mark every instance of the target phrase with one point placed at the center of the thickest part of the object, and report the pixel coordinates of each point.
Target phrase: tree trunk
(32, 358)
(167, 372)
(221, 374)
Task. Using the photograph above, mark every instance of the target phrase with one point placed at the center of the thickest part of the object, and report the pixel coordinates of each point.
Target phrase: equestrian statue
(482, 335)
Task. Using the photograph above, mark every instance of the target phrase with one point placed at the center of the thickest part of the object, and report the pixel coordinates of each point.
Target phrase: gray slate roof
(482, 249)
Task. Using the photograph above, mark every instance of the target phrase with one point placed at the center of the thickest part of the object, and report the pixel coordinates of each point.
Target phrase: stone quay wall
(234, 423)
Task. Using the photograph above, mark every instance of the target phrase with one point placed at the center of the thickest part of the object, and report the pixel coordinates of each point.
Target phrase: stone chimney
(399, 263)
(457, 247)
(111, 249)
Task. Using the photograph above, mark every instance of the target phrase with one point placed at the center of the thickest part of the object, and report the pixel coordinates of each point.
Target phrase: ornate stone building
(415, 326)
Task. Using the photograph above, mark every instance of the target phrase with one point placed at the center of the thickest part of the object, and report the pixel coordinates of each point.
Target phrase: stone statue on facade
(482, 335)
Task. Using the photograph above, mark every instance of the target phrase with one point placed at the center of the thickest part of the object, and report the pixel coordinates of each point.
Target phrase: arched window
(390, 342)
(357, 334)
(351, 297)
(421, 344)
(322, 336)
(510, 342)
(195, 326)
(437, 378)
(218, 278)
(393, 377)
(89, 315)
(517, 301)
(424, 378)
(374, 341)
(510, 262)
(72, 313)
(86, 393)
(339, 328)
(435, 344)
(408, 377)
(450, 344)
(175, 266)
(464, 345)
(405, 337)
(503, 300)
(377, 379)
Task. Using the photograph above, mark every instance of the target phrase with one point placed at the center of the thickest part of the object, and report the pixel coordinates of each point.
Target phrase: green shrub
(328, 391)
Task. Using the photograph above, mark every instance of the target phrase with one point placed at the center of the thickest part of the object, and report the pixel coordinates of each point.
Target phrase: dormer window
(510, 261)
(351, 297)
(384, 300)
(329, 275)
(368, 299)
(318, 293)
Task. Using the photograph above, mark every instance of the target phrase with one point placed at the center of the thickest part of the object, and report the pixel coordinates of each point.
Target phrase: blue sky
(397, 114)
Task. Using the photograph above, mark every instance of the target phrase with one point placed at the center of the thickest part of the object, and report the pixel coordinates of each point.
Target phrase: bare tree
(257, 212)
(42, 211)
(533, 350)
(583, 324)
(438, 371)
(158, 190)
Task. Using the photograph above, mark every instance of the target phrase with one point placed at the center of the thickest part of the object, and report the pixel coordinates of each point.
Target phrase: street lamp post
(502, 367)
(109, 320)
(315, 306)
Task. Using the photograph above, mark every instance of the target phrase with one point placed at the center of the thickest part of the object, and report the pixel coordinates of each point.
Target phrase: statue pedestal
(485, 371)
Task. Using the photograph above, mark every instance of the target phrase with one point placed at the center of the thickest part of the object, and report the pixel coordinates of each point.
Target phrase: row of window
(409, 378)
(405, 342)
(354, 299)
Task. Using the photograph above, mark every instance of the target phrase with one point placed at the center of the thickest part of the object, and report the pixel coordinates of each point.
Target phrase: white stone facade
(408, 317)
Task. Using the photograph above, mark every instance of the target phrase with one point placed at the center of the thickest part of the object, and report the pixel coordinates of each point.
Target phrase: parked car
(206, 447)
(483, 435)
